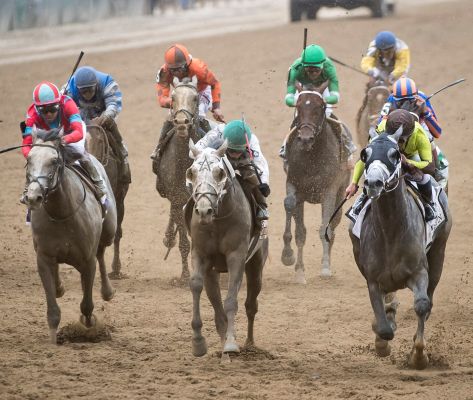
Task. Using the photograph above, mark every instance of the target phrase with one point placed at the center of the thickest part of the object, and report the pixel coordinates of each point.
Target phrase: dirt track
(315, 341)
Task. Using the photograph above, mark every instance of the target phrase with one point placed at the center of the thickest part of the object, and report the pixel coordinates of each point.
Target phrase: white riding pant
(79, 147)
(205, 101)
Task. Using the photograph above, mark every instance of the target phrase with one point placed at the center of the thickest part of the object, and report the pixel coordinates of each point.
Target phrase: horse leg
(435, 258)
(212, 288)
(184, 244)
(287, 256)
(383, 349)
(199, 347)
(60, 290)
(116, 263)
(254, 281)
(328, 207)
(301, 233)
(169, 239)
(87, 274)
(107, 290)
(46, 268)
(422, 306)
(383, 328)
(236, 266)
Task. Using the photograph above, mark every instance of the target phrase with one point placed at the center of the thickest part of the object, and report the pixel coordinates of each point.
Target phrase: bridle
(192, 116)
(217, 190)
(316, 129)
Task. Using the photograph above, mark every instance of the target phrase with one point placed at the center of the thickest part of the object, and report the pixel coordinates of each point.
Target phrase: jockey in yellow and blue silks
(416, 152)
(387, 58)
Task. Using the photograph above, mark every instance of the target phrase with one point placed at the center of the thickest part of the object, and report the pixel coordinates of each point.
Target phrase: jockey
(244, 153)
(387, 58)
(416, 155)
(180, 64)
(100, 101)
(314, 68)
(406, 96)
(53, 110)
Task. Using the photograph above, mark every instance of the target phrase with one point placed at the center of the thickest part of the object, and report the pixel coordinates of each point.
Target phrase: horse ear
(195, 151)
(396, 135)
(366, 154)
(194, 81)
(222, 149)
(322, 87)
(175, 81)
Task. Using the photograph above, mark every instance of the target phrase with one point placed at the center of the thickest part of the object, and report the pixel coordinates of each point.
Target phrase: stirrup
(262, 214)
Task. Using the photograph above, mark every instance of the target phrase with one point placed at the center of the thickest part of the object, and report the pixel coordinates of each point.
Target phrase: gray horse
(175, 160)
(391, 254)
(67, 227)
(97, 143)
(368, 114)
(317, 172)
(221, 226)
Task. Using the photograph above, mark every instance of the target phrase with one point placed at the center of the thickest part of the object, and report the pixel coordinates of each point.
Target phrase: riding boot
(158, 150)
(125, 166)
(429, 206)
(262, 212)
(119, 148)
(94, 174)
(359, 203)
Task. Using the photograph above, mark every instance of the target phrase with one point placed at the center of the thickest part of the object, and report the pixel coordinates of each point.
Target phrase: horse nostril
(186, 121)
(196, 211)
(209, 211)
(378, 183)
(176, 121)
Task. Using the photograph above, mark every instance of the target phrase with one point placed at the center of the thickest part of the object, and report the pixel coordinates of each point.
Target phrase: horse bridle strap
(59, 170)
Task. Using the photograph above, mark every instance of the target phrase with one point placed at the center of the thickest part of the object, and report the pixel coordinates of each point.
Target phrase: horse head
(44, 165)
(382, 160)
(208, 178)
(310, 108)
(185, 105)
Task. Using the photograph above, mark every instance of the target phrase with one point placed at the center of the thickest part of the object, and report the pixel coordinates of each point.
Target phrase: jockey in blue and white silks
(100, 101)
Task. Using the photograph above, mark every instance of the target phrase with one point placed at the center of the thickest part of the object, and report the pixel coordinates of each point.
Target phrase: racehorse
(97, 143)
(175, 160)
(221, 226)
(368, 114)
(317, 173)
(67, 226)
(391, 253)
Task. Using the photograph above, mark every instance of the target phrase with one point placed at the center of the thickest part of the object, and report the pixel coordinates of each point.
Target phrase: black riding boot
(121, 151)
(426, 192)
(90, 168)
(359, 203)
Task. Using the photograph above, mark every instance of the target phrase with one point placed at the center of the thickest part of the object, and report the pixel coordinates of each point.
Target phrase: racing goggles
(48, 109)
(312, 69)
(175, 70)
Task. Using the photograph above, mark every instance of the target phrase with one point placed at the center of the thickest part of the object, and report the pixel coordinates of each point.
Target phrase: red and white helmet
(46, 93)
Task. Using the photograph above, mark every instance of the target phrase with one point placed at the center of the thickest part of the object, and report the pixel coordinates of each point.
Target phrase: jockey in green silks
(313, 68)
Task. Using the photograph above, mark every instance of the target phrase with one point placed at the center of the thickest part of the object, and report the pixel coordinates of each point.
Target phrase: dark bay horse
(67, 227)
(317, 173)
(368, 114)
(97, 143)
(175, 160)
(221, 226)
(391, 253)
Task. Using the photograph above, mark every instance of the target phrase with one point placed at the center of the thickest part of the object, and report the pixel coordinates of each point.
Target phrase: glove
(290, 100)
(102, 120)
(374, 72)
(217, 114)
(264, 189)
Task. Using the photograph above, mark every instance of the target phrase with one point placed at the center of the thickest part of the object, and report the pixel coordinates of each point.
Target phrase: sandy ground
(314, 341)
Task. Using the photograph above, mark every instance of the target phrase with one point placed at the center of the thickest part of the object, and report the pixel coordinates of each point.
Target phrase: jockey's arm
(112, 98)
(75, 131)
(291, 87)
(334, 95)
(368, 62)
(259, 159)
(430, 118)
(419, 144)
(210, 137)
(163, 88)
(358, 172)
(402, 63)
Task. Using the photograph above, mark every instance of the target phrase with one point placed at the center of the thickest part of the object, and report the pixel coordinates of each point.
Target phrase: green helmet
(237, 134)
(313, 56)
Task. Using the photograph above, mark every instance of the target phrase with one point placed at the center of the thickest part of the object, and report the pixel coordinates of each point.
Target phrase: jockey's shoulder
(401, 45)
(197, 66)
(297, 64)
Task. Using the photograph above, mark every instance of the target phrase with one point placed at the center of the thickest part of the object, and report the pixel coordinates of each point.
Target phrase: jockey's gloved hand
(264, 189)
(102, 120)
(374, 72)
(290, 100)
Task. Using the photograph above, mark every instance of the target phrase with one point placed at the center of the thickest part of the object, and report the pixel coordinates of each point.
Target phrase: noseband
(188, 114)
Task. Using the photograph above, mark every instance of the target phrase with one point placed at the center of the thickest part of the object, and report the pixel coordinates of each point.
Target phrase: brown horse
(368, 114)
(317, 173)
(175, 160)
(67, 227)
(97, 143)
(221, 227)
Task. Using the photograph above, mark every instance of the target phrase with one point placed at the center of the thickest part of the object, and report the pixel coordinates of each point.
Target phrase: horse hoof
(88, 322)
(169, 242)
(325, 272)
(299, 278)
(288, 258)
(386, 333)
(53, 336)
(60, 291)
(418, 361)
(108, 295)
(231, 347)
(116, 275)
(383, 349)
(199, 347)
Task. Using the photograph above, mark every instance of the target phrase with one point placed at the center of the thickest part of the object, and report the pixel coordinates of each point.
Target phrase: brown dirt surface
(313, 341)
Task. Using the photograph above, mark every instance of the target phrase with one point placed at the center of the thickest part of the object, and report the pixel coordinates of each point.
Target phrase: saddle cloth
(430, 227)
